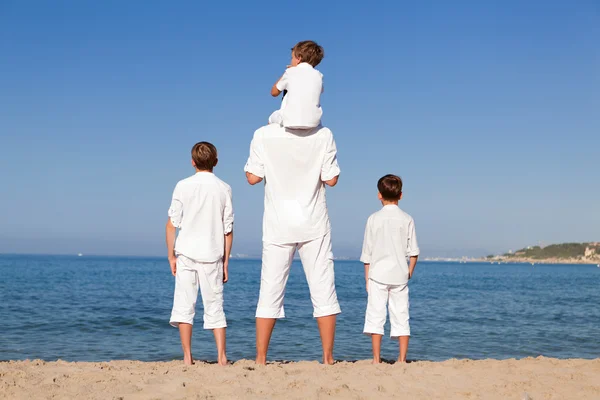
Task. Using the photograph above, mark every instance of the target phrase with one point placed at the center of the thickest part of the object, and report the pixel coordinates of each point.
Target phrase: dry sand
(539, 378)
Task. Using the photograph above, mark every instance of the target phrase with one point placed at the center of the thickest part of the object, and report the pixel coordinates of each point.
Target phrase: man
(295, 165)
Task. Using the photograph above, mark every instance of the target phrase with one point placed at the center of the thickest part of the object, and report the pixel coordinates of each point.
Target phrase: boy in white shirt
(302, 85)
(202, 210)
(390, 239)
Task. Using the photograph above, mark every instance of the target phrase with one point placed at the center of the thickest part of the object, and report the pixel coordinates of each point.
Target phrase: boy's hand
(225, 272)
(173, 265)
(367, 286)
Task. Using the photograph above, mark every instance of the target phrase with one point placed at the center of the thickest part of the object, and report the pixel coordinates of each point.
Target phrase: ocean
(108, 308)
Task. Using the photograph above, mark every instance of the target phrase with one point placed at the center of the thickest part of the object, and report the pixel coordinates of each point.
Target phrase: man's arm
(253, 179)
(330, 170)
(170, 235)
(412, 265)
(228, 244)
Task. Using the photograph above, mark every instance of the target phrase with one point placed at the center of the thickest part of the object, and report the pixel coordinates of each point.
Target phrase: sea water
(105, 308)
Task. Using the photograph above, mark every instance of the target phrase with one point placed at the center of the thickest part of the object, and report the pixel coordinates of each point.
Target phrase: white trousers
(276, 117)
(209, 277)
(396, 298)
(317, 261)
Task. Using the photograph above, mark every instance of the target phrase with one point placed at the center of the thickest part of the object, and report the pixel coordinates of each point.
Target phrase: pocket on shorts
(215, 276)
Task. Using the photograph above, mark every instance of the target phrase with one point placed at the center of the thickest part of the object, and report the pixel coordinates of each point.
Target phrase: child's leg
(184, 304)
(221, 345)
(185, 333)
(403, 348)
(210, 276)
(399, 318)
(376, 343)
(375, 316)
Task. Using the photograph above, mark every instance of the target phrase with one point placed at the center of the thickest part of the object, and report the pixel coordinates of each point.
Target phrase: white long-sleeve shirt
(202, 210)
(294, 165)
(390, 239)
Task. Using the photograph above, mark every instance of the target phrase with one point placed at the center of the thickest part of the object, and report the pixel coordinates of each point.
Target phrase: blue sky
(488, 110)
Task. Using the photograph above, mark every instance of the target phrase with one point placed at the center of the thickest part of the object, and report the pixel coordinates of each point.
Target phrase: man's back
(294, 165)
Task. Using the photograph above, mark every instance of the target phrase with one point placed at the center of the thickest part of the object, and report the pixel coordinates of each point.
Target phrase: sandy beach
(531, 378)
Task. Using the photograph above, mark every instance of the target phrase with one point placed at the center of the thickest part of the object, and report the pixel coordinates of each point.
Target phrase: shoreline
(539, 377)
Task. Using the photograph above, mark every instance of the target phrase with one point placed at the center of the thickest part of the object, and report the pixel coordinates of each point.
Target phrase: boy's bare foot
(376, 360)
(188, 360)
(222, 360)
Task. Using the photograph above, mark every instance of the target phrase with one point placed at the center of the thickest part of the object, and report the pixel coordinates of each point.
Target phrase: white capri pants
(317, 261)
(396, 298)
(209, 277)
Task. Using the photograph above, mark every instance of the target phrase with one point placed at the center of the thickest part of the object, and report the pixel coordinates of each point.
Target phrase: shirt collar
(388, 206)
(304, 65)
(203, 172)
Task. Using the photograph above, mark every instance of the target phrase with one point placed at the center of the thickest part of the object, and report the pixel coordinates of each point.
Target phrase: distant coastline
(564, 253)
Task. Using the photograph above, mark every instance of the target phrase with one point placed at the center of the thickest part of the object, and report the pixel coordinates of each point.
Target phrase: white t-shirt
(390, 239)
(202, 210)
(301, 106)
(294, 165)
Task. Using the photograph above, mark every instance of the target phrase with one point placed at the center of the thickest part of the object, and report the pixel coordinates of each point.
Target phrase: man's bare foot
(328, 360)
(261, 360)
(188, 360)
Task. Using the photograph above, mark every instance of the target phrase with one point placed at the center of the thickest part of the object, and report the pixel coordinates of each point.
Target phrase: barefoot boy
(389, 240)
(302, 85)
(202, 210)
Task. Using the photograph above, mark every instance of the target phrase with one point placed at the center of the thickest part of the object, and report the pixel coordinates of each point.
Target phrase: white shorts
(209, 277)
(276, 117)
(317, 261)
(396, 298)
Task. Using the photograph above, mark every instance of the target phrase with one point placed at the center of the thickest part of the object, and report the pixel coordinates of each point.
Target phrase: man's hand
(173, 264)
(225, 272)
(253, 179)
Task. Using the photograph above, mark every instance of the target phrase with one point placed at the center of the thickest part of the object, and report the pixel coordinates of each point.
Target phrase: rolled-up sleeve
(176, 209)
(255, 164)
(228, 213)
(412, 249)
(365, 257)
(283, 82)
(330, 168)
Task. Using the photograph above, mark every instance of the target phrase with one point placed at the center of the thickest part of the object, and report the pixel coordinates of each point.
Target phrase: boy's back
(202, 209)
(389, 239)
(301, 106)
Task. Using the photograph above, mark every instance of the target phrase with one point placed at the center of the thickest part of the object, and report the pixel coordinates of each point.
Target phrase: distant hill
(555, 253)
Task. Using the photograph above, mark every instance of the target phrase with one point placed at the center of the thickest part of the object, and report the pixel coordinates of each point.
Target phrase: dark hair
(309, 52)
(204, 155)
(390, 187)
